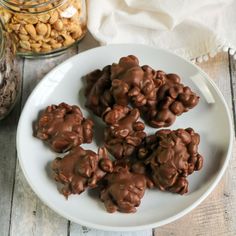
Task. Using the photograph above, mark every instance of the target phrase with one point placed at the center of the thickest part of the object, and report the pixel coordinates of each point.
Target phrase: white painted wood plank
(216, 215)
(77, 230)
(7, 164)
(7, 168)
(29, 215)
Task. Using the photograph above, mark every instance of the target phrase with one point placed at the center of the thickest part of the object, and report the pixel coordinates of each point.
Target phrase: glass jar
(44, 27)
(10, 76)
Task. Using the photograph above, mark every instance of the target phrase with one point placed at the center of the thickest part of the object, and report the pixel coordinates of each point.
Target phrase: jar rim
(35, 6)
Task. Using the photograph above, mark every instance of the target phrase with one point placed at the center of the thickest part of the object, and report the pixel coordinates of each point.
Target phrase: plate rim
(145, 226)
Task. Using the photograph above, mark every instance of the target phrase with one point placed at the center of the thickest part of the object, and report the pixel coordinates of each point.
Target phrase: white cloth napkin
(190, 28)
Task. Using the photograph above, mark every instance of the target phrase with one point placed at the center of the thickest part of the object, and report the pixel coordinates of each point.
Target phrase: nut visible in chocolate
(172, 156)
(124, 132)
(97, 91)
(133, 83)
(80, 169)
(64, 127)
(123, 190)
(172, 99)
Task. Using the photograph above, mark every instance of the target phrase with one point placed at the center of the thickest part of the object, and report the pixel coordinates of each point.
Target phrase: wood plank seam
(153, 232)
(12, 194)
(68, 228)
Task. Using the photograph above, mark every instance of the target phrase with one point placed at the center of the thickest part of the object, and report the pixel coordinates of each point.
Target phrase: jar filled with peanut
(44, 27)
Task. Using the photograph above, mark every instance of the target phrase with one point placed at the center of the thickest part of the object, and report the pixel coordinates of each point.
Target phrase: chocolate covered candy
(124, 132)
(80, 169)
(172, 156)
(123, 190)
(132, 83)
(97, 92)
(172, 99)
(64, 127)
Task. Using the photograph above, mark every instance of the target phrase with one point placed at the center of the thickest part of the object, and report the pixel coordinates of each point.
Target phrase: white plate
(63, 84)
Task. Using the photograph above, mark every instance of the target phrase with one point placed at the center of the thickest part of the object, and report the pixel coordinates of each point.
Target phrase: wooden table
(23, 214)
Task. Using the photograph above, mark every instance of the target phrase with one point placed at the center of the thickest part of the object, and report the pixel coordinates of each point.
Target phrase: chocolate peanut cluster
(160, 97)
(124, 132)
(64, 127)
(97, 92)
(80, 169)
(123, 190)
(132, 83)
(172, 99)
(172, 156)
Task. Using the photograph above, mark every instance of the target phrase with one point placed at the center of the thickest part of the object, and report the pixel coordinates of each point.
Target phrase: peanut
(68, 41)
(35, 45)
(52, 41)
(31, 19)
(14, 27)
(41, 28)
(24, 44)
(77, 34)
(23, 31)
(37, 38)
(46, 40)
(49, 31)
(58, 25)
(30, 30)
(56, 45)
(6, 16)
(44, 18)
(24, 37)
(46, 46)
(54, 33)
(54, 17)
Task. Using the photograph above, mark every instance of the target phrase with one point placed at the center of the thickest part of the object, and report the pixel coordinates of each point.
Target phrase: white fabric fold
(188, 27)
